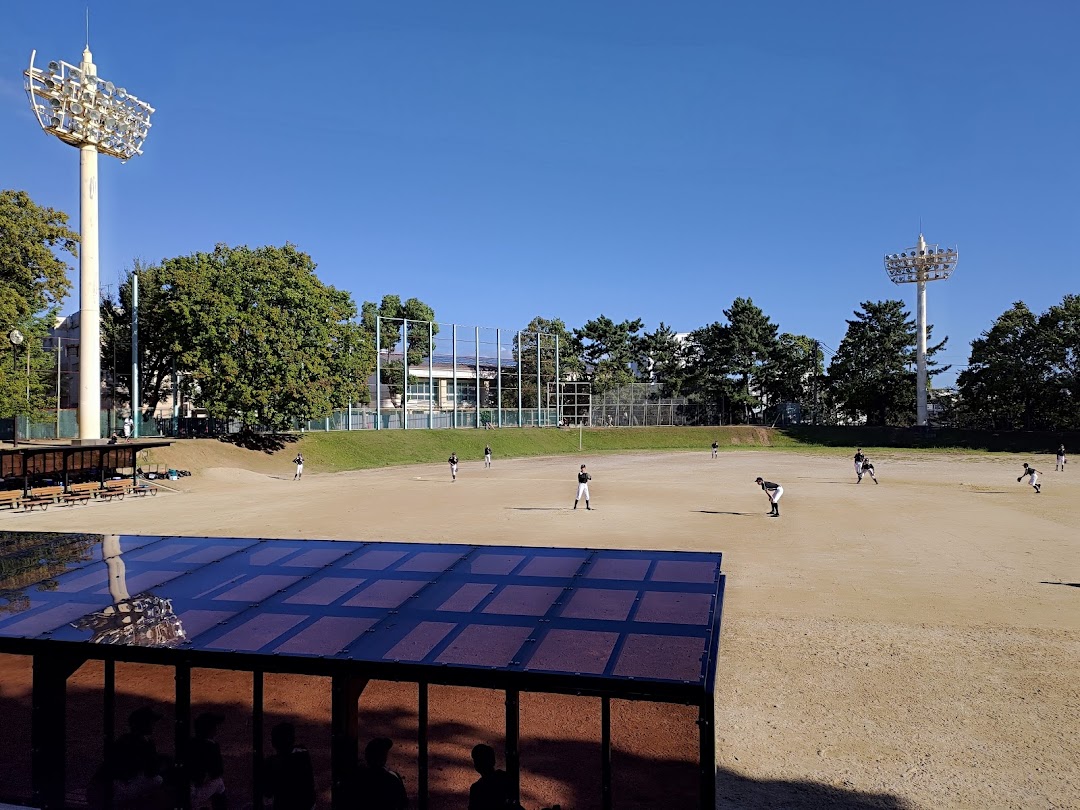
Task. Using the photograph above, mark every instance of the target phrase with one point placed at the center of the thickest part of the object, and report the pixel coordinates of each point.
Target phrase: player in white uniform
(867, 469)
(859, 458)
(1033, 478)
(715, 448)
(299, 462)
(1059, 462)
(487, 456)
(453, 467)
(583, 479)
(774, 491)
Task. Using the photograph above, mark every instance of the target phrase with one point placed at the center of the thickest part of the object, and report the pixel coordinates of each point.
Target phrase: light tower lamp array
(93, 115)
(919, 265)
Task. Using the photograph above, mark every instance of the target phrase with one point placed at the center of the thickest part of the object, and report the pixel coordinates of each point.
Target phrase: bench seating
(115, 489)
(80, 493)
(10, 498)
(144, 489)
(41, 496)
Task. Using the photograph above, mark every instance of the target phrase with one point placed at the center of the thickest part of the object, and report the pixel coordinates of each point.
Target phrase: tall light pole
(93, 115)
(921, 264)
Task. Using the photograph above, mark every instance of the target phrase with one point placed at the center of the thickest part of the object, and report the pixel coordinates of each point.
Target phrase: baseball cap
(379, 745)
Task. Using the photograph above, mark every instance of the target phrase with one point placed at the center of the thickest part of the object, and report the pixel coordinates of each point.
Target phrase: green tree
(708, 371)
(751, 340)
(608, 350)
(394, 312)
(1059, 335)
(664, 354)
(872, 373)
(256, 335)
(33, 283)
(1006, 378)
(796, 371)
(550, 331)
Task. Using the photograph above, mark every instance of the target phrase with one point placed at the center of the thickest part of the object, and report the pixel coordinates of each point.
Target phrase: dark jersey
(1031, 471)
(487, 451)
(859, 458)
(867, 466)
(452, 459)
(769, 486)
(583, 478)
(715, 445)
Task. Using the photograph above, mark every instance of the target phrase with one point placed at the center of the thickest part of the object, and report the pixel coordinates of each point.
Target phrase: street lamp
(15, 337)
(921, 264)
(93, 115)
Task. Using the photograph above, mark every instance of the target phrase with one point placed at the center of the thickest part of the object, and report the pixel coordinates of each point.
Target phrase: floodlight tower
(921, 264)
(94, 116)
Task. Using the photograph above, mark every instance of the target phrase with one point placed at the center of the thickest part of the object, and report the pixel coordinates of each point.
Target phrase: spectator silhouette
(205, 767)
(493, 790)
(133, 768)
(374, 786)
(288, 777)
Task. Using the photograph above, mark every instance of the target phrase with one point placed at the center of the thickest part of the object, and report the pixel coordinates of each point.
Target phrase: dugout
(606, 623)
(33, 465)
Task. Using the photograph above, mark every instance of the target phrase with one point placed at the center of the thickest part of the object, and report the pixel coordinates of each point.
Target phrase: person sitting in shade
(493, 790)
(374, 786)
(288, 777)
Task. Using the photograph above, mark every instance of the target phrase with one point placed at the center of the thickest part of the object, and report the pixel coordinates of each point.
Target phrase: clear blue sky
(501, 160)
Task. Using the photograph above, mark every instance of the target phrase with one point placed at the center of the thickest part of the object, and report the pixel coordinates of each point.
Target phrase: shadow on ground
(268, 443)
(553, 769)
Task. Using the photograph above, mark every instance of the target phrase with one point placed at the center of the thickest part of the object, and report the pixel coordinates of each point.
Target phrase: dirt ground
(913, 644)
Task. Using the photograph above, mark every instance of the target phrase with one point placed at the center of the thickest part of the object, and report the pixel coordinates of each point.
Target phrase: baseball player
(487, 456)
(453, 467)
(1059, 462)
(774, 491)
(299, 462)
(583, 479)
(715, 448)
(1033, 478)
(867, 469)
(859, 458)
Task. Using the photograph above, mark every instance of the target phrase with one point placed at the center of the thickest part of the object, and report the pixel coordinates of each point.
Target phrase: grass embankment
(334, 452)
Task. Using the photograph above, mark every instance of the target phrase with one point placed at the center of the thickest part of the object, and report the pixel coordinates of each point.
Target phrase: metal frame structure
(41, 460)
(478, 366)
(919, 265)
(95, 116)
(55, 660)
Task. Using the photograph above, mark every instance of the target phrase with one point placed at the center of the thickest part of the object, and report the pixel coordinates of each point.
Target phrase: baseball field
(912, 644)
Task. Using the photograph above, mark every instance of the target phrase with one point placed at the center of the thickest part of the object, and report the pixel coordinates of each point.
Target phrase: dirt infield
(909, 644)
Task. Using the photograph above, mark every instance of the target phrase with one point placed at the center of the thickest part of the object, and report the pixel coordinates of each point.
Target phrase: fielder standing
(715, 448)
(487, 456)
(867, 469)
(774, 491)
(1059, 462)
(453, 466)
(299, 462)
(859, 459)
(1033, 478)
(583, 479)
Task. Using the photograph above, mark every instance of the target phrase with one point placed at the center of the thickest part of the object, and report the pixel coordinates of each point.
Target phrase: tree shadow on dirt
(268, 443)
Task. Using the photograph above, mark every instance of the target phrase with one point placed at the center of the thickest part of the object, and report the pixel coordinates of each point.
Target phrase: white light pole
(921, 264)
(93, 115)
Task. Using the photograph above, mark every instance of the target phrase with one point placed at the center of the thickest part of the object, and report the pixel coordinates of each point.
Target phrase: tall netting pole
(378, 372)
(405, 374)
(498, 373)
(476, 359)
(558, 400)
(538, 422)
(430, 374)
(453, 337)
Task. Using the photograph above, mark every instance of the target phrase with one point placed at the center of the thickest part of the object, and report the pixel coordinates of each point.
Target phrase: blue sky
(501, 160)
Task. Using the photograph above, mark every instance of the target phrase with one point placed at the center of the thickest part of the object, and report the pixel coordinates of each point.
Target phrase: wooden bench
(80, 493)
(115, 489)
(41, 496)
(10, 498)
(144, 489)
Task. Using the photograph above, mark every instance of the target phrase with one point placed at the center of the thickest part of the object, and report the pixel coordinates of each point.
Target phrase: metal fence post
(405, 374)
(477, 361)
(453, 337)
(520, 420)
(538, 379)
(430, 373)
(498, 375)
(378, 372)
(558, 405)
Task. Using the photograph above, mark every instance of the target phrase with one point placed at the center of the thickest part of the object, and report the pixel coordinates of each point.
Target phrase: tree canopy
(33, 282)
(609, 350)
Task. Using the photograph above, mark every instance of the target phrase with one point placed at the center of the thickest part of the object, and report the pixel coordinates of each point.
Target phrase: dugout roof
(625, 623)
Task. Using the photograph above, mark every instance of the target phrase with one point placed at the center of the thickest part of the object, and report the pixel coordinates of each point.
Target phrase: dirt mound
(201, 455)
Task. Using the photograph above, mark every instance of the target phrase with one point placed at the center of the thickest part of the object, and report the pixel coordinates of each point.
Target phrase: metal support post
(344, 734)
(453, 337)
(48, 737)
(498, 372)
(520, 420)
(513, 733)
(405, 374)
(89, 297)
(538, 423)
(378, 372)
(108, 724)
(476, 360)
(136, 399)
(605, 753)
(558, 401)
(920, 360)
(183, 733)
(422, 747)
(257, 735)
(431, 374)
(707, 755)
